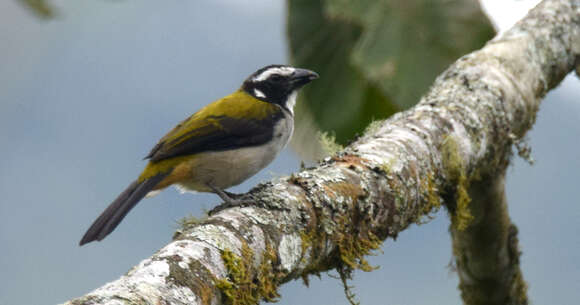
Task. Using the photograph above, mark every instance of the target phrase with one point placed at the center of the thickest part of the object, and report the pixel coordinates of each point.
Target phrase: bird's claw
(239, 200)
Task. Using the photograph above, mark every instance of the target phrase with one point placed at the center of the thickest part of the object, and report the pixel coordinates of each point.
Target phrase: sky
(83, 98)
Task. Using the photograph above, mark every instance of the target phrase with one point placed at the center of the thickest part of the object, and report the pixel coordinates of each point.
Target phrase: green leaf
(376, 57)
(39, 7)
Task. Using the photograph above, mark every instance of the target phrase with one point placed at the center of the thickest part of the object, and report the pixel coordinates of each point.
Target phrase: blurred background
(85, 94)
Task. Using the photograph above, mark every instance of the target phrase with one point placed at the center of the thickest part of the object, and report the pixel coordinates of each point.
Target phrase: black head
(278, 84)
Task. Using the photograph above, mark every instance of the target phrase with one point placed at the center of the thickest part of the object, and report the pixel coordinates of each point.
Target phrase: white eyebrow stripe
(278, 70)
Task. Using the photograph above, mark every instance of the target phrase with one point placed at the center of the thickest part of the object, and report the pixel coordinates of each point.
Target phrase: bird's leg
(225, 196)
(230, 199)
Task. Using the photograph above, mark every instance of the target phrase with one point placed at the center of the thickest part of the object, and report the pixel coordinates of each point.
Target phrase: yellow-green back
(238, 105)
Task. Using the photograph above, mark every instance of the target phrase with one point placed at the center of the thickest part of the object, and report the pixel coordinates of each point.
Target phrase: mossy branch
(442, 151)
(487, 252)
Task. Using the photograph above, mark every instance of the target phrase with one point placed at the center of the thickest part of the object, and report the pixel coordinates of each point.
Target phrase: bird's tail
(118, 209)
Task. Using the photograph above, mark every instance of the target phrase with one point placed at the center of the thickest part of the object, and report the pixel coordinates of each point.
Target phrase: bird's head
(278, 84)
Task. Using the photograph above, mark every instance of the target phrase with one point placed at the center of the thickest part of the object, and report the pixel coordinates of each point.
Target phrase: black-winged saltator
(219, 146)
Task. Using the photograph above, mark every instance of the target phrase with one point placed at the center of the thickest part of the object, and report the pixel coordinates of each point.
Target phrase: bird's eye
(276, 78)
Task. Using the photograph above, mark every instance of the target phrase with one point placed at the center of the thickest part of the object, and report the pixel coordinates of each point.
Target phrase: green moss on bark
(455, 170)
(246, 284)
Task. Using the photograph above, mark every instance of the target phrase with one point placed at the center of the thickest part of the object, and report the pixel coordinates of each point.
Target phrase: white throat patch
(291, 101)
(279, 70)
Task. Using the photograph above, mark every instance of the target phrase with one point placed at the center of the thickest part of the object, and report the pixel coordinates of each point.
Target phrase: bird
(219, 146)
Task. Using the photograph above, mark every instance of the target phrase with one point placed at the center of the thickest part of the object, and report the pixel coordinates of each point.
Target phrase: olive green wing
(237, 120)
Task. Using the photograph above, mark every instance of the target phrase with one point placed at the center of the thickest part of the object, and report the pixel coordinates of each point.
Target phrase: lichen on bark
(394, 175)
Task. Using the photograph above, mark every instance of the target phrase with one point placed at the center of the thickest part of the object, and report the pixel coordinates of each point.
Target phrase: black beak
(301, 77)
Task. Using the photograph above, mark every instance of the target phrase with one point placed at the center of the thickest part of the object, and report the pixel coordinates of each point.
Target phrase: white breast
(224, 169)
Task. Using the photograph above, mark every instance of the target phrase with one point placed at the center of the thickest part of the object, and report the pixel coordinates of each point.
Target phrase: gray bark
(443, 150)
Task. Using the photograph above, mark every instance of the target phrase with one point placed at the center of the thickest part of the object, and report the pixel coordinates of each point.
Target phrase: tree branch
(332, 215)
(486, 253)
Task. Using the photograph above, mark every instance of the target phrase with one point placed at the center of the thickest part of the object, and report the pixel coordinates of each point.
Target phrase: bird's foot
(241, 202)
(233, 196)
(238, 200)
(231, 200)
